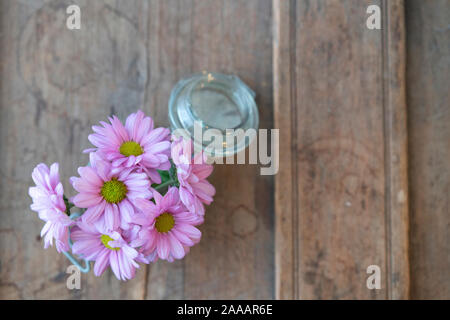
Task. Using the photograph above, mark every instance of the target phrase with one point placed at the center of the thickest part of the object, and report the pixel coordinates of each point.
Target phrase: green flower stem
(165, 184)
(68, 204)
(87, 265)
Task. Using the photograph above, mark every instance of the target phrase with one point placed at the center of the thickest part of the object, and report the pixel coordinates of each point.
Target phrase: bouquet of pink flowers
(140, 198)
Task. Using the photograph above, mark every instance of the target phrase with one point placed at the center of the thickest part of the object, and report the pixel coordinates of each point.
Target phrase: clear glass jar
(216, 103)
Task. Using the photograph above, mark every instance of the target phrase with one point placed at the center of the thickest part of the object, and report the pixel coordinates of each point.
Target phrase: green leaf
(68, 204)
(165, 176)
(173, 174)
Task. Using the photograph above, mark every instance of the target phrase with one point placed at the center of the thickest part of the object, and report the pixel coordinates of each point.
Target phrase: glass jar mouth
(229, 90)
(220, 103)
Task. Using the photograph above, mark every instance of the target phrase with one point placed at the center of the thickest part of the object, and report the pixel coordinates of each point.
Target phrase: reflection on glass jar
(217, 105)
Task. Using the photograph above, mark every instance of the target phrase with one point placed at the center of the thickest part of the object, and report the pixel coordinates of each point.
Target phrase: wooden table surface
(364, 141)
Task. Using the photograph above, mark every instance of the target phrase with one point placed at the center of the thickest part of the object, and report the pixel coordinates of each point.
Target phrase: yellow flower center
(114, 191)
(131, 148)
(105, 240)
(164, 223)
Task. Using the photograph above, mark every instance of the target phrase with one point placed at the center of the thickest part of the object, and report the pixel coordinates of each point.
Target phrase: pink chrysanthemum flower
(136, 144)
(168, 229)
(192, 172)
(109, 194)
(106, 249)
(48, 201)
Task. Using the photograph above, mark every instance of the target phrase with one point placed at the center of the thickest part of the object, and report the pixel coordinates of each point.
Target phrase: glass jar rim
(181, 113)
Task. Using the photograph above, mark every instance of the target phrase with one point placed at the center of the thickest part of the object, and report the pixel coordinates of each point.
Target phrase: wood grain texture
(56, 83)
(234, 260)
(341, 193)
(337, 94)
(428, 44)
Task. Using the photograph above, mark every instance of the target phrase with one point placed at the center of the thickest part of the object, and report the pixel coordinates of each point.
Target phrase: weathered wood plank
(428, 99)
(235, 257)
(57, 83)
(341, 194)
